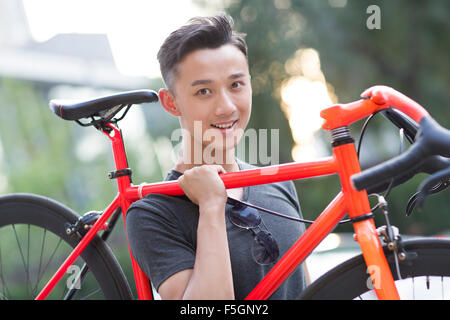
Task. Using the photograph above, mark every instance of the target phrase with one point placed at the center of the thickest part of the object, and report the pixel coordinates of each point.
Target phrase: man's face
(213, 92)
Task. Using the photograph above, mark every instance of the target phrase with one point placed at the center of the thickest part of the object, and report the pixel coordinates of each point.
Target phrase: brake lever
(433, 184)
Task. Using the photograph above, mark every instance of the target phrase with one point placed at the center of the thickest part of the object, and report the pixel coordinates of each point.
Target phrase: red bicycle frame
(344, 162)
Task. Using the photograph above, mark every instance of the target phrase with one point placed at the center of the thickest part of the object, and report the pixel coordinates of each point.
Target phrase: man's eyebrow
(237, 75)
(200, 82)
(205, 81)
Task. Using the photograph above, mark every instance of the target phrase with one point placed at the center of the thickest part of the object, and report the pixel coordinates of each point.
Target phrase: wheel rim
(417, 288)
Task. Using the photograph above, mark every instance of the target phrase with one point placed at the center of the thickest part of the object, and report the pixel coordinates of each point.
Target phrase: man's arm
(211, 277)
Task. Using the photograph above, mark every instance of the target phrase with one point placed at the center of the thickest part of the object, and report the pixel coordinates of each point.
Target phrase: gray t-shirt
(162, 232)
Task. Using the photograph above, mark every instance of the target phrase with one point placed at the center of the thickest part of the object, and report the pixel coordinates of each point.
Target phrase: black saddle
(102, 107)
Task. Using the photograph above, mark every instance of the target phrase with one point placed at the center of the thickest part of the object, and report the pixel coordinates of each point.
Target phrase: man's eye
(203, 91)
(237, 84)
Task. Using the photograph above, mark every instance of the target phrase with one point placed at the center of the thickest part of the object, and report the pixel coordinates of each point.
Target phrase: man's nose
(225, 105)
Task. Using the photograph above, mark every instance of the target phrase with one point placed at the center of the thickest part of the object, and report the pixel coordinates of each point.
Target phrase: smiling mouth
(228, 125)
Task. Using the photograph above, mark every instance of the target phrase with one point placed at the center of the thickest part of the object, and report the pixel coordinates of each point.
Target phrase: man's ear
(168, 102)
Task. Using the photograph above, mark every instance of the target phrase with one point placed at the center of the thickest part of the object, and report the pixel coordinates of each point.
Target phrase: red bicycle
(54, 242)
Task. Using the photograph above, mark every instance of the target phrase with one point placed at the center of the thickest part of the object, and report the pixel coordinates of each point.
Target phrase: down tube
(300, 250)
(78, 249)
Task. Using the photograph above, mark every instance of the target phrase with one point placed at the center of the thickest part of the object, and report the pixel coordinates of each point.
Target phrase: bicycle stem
(373, 99)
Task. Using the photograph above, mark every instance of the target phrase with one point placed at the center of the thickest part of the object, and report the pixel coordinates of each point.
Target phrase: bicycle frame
(344, 162)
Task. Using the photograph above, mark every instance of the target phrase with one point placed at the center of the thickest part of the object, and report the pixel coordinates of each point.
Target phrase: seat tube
(358, 208)
(143, 286)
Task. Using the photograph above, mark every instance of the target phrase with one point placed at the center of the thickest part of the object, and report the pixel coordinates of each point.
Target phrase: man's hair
(198, 33)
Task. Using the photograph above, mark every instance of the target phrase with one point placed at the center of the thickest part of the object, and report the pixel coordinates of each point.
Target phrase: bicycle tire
(349, 280)
(24, 216)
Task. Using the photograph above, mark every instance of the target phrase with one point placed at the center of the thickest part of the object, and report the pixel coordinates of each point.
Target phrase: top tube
(245, 178)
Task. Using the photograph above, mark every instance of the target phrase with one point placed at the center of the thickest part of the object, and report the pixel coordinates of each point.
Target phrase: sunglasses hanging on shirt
(264, 248)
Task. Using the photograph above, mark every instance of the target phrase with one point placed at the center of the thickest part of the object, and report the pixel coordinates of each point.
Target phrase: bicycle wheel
(34, 244)
(425, 276)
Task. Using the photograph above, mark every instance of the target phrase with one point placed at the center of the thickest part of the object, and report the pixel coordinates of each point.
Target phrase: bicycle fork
(359, 210)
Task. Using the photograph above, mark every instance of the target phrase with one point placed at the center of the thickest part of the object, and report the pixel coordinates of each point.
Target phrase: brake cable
(433, 184)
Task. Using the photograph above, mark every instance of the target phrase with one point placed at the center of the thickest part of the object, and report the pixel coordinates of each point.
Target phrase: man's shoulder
(161, 204)
(157, 201)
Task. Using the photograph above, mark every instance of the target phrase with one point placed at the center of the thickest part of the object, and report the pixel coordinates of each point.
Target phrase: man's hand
(203, 186)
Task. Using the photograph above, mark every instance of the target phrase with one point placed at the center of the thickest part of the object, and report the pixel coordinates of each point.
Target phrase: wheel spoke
(446, 288)
(34, 244)
(91, 294)
(44, 237)
(48, 253)
(48, 262)
(25, 265)
(2, 279)
(420, 288)
(28, 263)
(428, 288)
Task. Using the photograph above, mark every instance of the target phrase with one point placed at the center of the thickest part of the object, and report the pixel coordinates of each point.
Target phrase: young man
(187, 245)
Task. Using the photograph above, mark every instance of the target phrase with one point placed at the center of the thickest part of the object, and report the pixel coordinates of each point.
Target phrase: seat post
(122, 173)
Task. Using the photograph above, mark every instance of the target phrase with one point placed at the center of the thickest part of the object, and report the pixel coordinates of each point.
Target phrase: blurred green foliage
(40, 154)
(409, 52)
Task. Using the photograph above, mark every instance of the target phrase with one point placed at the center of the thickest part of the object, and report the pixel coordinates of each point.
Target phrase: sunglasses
(243, 215)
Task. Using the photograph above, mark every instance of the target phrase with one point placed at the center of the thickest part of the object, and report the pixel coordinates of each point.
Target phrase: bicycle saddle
(75, 110)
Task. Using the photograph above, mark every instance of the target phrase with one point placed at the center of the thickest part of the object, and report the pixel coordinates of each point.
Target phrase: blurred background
(304, 55)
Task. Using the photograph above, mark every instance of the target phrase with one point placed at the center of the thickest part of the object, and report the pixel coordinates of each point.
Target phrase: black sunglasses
(264, 248)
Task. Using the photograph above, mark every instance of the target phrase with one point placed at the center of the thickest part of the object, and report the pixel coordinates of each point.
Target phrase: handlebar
(430, 152)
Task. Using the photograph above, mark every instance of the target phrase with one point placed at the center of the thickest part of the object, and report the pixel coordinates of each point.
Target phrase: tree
(408, 52)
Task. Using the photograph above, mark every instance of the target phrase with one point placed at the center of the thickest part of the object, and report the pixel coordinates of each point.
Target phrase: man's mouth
(224, 125)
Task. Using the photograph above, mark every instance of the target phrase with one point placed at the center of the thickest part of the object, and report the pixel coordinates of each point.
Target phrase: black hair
(198, 33)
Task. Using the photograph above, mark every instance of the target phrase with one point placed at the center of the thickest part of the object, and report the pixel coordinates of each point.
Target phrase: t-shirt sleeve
(293, 197)
(157, 243)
